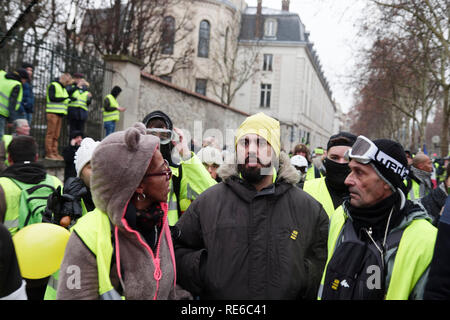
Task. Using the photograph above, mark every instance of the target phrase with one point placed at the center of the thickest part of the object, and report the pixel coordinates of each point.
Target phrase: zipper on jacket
(157, 274)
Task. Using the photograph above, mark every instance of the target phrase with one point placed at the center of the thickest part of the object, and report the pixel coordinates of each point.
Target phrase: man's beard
(254, 175)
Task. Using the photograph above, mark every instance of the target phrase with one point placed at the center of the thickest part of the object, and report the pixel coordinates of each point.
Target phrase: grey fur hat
(118, 165)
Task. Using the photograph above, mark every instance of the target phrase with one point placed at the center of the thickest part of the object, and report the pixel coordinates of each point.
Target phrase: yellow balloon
(40, 249)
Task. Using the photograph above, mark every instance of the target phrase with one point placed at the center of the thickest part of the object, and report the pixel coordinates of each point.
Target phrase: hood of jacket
(118, 165)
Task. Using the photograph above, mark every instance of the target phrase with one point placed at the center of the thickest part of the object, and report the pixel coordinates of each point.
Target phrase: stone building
(288, 84)
(254, 59)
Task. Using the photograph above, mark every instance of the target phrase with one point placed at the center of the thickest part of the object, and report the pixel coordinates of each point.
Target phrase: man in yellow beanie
(255, 235)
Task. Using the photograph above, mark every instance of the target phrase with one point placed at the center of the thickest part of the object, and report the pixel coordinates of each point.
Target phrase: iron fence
(50, 60)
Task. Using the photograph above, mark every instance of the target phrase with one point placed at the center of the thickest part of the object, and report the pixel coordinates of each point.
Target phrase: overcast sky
(333, 28)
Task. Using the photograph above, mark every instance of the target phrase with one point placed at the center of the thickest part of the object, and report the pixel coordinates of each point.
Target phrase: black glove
(61, 205)
(72, 99)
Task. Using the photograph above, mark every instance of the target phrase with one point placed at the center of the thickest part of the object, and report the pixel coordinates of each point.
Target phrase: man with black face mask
(330, 190)
(190, 178)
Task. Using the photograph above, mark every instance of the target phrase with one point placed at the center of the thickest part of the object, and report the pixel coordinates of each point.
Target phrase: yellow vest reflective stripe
(111, 115)
(7, 138)
(414, 193)
(57, 107)
(94, 229)
(412, 258)
(81, 102)
(6, 87)
(318, 189)
(52, 287)
(12, 196)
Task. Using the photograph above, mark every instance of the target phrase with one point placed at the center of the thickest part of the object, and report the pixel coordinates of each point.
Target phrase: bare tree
(146, 30)
(431, 18)
(234, 64)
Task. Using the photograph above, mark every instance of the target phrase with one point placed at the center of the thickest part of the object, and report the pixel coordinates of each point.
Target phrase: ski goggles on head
(164, 135)
(365, 151)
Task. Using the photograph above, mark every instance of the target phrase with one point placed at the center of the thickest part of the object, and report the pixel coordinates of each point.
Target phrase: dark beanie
(115, 91)
(75, 134)
(335, 140)
(23, 73)
(392, 174)
(158, 115)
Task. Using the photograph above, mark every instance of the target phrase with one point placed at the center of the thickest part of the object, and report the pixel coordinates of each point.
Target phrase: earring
(143, 196)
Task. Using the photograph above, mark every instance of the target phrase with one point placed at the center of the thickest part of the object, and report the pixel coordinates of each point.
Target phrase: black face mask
(336, 173)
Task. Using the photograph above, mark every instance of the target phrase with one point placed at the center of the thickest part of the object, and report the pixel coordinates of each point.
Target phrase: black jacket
(438, 286)
(434, 202)
(237, 243)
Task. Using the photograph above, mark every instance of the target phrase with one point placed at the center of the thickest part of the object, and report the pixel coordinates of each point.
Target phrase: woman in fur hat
(123, 249)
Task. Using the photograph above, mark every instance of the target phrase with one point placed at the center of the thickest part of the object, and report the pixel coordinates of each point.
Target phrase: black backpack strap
(316, 172)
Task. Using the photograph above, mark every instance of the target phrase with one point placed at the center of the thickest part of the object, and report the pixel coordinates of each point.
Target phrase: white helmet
(299, 161)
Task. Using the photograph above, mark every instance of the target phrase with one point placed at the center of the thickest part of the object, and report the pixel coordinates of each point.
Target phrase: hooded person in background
(255, 235)
(190, 178)
(380, 244)
(331, 190)
(124, 247)
(69, 154)
(111, 110)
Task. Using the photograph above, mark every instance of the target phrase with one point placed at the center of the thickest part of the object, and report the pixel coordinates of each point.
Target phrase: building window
(270, 28)
(265, 95)
(168, 35)
(203, 39)
(267, 63)
(200, 86)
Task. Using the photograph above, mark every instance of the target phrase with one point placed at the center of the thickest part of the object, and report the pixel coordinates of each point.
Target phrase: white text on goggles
(364, 151)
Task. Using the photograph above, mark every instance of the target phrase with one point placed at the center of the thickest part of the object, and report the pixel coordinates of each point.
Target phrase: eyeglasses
(167, 173)
(364, 151)
(164, 135)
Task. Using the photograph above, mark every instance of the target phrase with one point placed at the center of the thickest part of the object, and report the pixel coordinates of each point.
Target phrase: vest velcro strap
(111, 295)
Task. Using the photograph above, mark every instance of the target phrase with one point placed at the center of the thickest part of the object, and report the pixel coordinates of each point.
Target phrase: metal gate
(50, 60)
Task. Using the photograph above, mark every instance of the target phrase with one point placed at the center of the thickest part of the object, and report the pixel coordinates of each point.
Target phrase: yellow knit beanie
(264, 126)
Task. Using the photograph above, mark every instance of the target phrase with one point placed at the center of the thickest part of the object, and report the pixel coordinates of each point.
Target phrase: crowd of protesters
(150, 218)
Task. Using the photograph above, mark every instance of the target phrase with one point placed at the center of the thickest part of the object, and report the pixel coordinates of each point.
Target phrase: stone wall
(197, 115)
